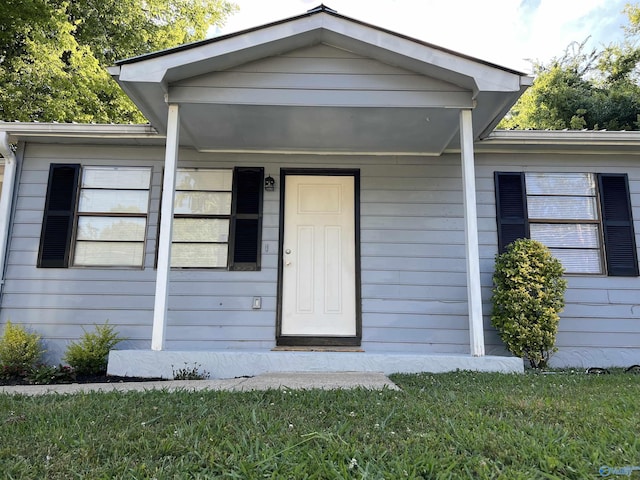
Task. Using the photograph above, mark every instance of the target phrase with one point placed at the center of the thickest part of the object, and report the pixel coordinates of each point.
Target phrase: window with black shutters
(217, 218)
(584, 218)
(94, 216)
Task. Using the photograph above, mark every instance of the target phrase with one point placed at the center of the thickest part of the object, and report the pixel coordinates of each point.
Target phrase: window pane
(203, 203)
(116, 177)
(579, 261)
(212, 180)
(114, 201)
(200, 230)
(198, 255)
(560, 184)
(566, 235)
(111, 228)
(109, 254)
(562, 208)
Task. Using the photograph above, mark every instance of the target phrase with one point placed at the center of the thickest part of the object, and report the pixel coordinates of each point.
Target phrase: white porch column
(474, 296)
(166, 229)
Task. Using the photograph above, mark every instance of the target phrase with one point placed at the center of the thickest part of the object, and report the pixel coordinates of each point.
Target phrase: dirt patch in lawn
(82, 379)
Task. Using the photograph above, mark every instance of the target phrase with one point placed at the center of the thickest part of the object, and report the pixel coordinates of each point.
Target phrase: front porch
(319, 96)
(231, 364)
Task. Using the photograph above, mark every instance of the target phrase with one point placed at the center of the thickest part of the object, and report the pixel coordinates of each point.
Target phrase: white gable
(320, 76)
(323, 82)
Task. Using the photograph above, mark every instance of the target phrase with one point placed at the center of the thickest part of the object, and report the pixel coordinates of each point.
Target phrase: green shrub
(89, 356)
(527, 297)
(48, 374)
(19, 351)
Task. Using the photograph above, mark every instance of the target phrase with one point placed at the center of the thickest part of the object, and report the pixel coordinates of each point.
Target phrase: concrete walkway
(267, 381)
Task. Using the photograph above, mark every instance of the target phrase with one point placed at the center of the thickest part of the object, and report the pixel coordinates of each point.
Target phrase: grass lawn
(458, 425)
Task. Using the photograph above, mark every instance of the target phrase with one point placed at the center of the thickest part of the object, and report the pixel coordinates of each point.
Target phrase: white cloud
(506, 32)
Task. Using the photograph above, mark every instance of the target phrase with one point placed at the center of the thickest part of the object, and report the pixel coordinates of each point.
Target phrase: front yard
(458, 425)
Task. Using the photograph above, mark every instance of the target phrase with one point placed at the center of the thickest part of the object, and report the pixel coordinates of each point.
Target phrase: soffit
(500, 141)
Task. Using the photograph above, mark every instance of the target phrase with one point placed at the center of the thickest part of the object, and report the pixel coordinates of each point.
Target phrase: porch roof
(271, 117)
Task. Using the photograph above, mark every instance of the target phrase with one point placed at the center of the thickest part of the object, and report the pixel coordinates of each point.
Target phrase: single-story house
(314, 194)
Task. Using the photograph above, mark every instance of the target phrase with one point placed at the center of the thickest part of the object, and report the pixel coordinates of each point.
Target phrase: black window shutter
(247, 219)
(617, 224)
(511, 208)
(59, 211)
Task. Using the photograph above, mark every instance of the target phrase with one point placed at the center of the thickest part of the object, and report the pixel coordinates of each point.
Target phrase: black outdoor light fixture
(269, 184)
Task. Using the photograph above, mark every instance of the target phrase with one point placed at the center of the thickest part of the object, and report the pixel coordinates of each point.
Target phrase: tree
(118, 29)
(633, 13)
(580, 89)
(19, 17)
(54, 53)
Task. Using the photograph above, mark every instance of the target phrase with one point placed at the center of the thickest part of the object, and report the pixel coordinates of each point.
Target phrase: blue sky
(506, 32)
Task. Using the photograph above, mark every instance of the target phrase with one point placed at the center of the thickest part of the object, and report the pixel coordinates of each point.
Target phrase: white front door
(319, 268)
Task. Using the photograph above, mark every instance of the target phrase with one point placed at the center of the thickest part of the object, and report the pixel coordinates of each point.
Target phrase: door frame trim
(296, 340)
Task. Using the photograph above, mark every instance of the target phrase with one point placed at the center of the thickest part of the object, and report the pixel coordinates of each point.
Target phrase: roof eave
(78, 133)
(563, 141)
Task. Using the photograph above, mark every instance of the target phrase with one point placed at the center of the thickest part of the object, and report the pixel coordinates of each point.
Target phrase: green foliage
(54, 53)
(585, 89)
(527, 297)
(633, 13)
(19, 351)
(48, 374)
(89, 356)
(190, 373)
(118, 29)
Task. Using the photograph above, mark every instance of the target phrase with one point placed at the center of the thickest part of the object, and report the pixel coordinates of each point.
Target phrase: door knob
(287, 251)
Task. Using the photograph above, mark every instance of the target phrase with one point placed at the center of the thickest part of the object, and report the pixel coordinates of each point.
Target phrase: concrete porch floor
(232, 364)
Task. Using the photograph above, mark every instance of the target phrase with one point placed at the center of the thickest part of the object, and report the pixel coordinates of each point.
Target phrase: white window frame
(585, 224)
(209, 253)
(127, 242)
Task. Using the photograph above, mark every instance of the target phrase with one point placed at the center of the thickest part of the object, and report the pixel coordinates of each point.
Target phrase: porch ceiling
(322, 129)
(385, 121)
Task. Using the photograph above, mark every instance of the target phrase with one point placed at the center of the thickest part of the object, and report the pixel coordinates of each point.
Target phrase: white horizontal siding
(411, 226)
(601, 319)
(328, 75)
(60, 303)
(320, 67)
(412, 263)
(413, 267)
